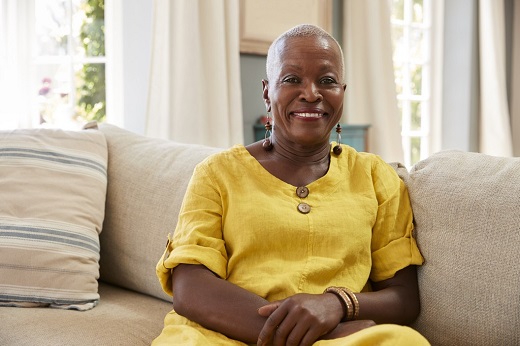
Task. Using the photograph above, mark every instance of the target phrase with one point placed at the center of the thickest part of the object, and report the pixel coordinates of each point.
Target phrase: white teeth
(309, 115)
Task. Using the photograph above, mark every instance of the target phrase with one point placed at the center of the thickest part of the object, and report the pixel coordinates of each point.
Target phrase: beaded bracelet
(345, 301)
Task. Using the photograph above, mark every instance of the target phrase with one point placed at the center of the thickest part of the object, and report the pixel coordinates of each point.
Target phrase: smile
(309, 115)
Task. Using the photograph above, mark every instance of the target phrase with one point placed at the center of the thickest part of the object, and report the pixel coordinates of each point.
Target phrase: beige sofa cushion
(467, 215)
(122, 318)
(52, 203)
(147, 182)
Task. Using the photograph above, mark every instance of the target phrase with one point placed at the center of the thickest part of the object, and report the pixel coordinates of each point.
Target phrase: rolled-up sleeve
(198, 235)
(393, 244)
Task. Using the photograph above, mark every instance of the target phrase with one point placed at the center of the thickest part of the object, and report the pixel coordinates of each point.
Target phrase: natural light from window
(70, 61)
(54, 67)
(411, 38)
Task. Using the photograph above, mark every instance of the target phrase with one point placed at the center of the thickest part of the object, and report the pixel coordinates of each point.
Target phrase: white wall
(460, 76)
(128, 63)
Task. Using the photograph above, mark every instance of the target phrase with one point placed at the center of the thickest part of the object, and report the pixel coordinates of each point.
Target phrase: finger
(284, 329)
(273, 321)
(310, 337)
(268, 309)
(297, 334)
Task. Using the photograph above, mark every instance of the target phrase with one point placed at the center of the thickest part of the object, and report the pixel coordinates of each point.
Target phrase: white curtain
(195, 91)
(495, 125)
(16, 30)
(371, 96)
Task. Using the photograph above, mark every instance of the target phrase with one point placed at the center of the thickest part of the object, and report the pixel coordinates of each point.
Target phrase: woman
(268, 232)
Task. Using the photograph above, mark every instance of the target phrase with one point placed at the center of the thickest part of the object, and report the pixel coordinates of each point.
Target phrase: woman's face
(305, 90)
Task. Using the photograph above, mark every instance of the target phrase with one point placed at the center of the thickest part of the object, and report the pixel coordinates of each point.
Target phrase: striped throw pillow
(52, 201)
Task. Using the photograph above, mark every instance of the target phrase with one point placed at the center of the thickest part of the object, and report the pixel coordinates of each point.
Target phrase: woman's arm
(395, 300)
(216, 304)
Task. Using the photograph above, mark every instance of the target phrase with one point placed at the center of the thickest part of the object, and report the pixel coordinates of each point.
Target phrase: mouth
(309, 115)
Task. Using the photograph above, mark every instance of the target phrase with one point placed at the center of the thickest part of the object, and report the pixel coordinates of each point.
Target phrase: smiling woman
(264, 251)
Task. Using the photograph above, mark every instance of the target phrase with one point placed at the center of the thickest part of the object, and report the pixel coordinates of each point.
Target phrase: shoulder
(223, 155)
(225, 160)
(368, 166)
(366, 161)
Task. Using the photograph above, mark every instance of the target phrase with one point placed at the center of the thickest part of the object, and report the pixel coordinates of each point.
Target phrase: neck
(301, 155)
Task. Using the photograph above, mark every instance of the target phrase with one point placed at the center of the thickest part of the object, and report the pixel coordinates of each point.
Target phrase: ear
(265, 94)
(344, 87)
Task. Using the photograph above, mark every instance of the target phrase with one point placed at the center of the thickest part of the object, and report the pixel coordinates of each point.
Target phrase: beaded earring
(337, 148)
(268, 144)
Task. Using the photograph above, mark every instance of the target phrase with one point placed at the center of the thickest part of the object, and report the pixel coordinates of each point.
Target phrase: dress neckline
(330, 178)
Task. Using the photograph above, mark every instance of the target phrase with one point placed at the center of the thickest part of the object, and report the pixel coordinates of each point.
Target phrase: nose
(311, 92)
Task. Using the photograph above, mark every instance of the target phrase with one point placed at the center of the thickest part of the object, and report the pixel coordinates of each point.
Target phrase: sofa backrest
(467, 224)
(467, 217)
(147, 179)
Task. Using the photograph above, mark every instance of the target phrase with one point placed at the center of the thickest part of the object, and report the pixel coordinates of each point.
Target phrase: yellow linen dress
(244, 225)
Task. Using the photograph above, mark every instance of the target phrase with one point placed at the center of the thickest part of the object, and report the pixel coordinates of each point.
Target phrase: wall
(128, 62)
(137, 46)
(252, 71)
(460, 83)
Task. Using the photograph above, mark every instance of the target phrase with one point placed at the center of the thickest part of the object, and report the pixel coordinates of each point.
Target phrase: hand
(300, 319)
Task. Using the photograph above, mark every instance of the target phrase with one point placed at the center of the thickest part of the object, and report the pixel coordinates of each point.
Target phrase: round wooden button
(302, 191)
(304, 208)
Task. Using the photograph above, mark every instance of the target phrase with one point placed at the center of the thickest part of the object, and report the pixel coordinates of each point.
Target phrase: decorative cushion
(52, 202)
(148, 179)
(467, 215)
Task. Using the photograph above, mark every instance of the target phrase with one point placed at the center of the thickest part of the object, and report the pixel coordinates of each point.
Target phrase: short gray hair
(302, 30)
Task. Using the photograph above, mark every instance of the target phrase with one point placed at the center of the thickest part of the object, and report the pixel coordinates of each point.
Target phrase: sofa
(466, 213)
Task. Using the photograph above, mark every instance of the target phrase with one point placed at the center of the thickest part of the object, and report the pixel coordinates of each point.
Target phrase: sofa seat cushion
(467, 216)
(122, 317)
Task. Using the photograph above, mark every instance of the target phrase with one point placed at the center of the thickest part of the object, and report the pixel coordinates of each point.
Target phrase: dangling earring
(337, 148)
(268, 144)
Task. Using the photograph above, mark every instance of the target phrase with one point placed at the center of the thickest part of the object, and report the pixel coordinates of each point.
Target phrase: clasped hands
(305, 318)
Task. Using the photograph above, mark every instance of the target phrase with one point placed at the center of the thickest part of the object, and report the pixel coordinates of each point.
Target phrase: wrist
(335, 306)
(348, 301)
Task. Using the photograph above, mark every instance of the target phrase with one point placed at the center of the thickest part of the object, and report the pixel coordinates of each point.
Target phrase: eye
(290, 80)
(328, 80)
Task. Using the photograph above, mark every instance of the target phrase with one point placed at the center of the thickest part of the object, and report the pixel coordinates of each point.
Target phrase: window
(70, 61)
(55, 63)
(411, 38)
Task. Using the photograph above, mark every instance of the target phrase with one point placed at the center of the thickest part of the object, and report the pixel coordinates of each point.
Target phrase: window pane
(415, 152)
(416, 115)
(397, 7)
(418, 11)
(91, 28)
(52, 27)
(91, 96)
(400, 109)
(54, 92)
(416, 79)
(417, 45)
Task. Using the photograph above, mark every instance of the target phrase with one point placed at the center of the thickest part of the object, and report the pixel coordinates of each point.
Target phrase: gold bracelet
(354, 300)
(345, 300)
